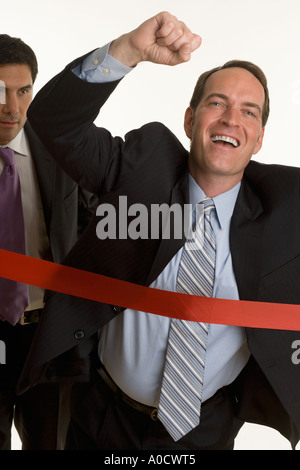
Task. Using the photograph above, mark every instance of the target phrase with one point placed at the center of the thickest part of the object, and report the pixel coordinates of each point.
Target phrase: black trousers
(35, 413)
(100, 420)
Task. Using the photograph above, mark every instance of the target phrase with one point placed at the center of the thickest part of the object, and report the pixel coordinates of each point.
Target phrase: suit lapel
(44, 167)
(245, 241)
(168, 248)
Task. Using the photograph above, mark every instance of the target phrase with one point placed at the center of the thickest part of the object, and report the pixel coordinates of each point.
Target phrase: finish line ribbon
(91, 286)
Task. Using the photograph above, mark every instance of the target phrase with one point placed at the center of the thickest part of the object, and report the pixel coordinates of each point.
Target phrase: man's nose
(11, 104)
(230, 117)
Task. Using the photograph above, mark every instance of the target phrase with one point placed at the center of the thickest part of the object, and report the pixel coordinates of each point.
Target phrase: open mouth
(225, 140)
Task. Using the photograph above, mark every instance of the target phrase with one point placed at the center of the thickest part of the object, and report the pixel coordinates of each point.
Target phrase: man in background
(55, 211)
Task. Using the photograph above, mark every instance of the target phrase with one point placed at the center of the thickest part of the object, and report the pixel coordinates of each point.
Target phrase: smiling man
(159, 383)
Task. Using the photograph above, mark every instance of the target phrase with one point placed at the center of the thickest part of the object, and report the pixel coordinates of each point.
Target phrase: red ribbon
(79, 283)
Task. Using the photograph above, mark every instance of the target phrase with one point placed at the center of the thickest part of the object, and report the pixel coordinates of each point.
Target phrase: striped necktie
(13, 295)
(181, 391)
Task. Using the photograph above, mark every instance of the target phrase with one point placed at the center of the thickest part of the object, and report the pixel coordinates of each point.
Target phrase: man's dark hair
(252, 68)
(15, 51)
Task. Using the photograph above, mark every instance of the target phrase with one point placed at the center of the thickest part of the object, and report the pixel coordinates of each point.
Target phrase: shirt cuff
(100, 67)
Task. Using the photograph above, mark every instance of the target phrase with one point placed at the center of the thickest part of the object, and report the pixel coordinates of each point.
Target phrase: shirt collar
(20, 144)
(224, 203)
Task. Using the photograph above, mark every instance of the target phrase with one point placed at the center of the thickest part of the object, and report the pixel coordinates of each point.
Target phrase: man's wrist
(100, 67)
(124, 52)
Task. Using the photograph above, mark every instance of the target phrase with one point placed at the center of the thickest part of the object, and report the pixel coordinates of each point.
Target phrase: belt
(148, 410)
(30, 316)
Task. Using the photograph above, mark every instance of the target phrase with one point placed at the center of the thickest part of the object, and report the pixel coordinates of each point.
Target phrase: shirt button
(106, 70)
(96, 62)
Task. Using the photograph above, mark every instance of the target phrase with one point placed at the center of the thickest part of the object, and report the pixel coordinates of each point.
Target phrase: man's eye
(218, 104)
(23, 91)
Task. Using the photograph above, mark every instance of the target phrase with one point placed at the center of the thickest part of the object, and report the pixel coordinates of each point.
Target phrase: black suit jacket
(150, 167)
(67, 208)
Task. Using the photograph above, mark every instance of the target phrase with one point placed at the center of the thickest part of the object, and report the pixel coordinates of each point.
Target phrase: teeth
(224, 138)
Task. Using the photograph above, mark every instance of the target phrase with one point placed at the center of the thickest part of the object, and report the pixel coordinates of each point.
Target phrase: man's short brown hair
(252, 68)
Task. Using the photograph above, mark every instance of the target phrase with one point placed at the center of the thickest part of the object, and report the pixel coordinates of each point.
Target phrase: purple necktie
(13, 295)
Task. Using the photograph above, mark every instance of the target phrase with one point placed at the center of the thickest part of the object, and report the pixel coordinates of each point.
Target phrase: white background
(263, 31)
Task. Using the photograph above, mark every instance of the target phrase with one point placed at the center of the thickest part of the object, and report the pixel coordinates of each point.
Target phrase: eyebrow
(225, 97)
(26, 86)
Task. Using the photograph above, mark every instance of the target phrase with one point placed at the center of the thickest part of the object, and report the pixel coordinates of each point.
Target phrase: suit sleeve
(62, 115)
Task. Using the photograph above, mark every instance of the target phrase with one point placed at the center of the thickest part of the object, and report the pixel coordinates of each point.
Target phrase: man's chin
(8, 133)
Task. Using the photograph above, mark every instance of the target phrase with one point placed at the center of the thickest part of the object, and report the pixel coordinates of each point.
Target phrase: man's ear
(188, 122)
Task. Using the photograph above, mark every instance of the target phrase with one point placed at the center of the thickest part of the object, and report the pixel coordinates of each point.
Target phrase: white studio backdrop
(265, 32)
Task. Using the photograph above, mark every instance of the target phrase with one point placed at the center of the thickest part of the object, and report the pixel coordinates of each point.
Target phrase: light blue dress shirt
(133, 345)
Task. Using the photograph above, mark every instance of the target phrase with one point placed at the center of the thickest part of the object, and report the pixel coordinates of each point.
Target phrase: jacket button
(116, 308)
(79, 334)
